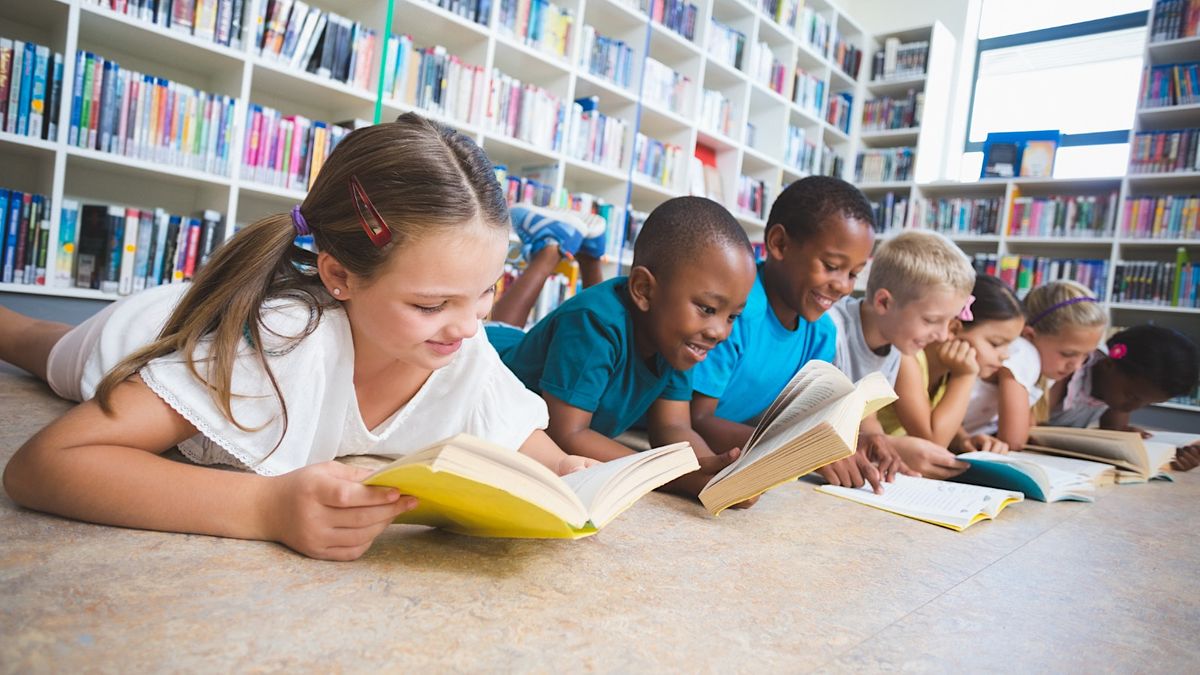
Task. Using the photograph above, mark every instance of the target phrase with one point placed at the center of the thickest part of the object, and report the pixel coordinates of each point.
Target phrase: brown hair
(420, 176)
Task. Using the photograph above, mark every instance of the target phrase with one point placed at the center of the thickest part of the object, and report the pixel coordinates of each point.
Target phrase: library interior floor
(800, 582)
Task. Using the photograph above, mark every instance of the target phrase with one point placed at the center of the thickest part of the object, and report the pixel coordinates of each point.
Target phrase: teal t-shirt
(748, 370)
(583, 354)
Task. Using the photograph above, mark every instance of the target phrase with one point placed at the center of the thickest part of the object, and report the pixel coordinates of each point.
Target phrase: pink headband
(965, 314)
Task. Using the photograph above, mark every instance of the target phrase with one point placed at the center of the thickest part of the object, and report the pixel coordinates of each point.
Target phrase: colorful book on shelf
(952, 505)
(469, 486)
(1136, 460)
(813, 422)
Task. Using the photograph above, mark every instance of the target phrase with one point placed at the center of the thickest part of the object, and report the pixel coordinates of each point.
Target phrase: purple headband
(299, 222)
(1060, 305)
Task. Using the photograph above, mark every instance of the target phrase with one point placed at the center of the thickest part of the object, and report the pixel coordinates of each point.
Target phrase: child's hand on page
(710, 465)
(986, 443)
(927, 458)
(324, 511)
(959, 357)
(878, 448)
(572, 463)
(1187, 457)
(853, 471)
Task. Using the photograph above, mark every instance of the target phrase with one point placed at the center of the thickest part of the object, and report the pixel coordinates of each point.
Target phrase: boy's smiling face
(819, 270)
(911, 325)
(691, 310)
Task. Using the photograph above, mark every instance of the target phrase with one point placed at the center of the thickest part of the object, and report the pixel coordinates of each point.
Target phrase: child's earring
(337, 291)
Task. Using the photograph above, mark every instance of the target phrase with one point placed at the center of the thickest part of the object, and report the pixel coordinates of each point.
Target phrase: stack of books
(432, 79)
(286, 150)
(808, 91)
(900, 61)
(596, 137)
(307, 37)
(1063, 216)
(884, 165)
(677, 15)
(665, 85)
(659, 162)
(893, 113)
(1162, 217)
(725, 44)
(525, 112)
(959, 215)
(24, 237)
(220, 22)
(539, 24)
(30, 89)
(607, 57)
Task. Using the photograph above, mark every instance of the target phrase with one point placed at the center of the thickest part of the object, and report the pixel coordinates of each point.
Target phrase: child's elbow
(19, 474)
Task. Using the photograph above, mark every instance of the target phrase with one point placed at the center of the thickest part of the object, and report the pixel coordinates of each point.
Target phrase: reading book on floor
(1136, 460)
(1040, 477)
(467, 485)
(813, 421)
(953, 505)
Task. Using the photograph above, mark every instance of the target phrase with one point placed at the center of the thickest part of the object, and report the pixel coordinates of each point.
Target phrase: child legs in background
(26, 342)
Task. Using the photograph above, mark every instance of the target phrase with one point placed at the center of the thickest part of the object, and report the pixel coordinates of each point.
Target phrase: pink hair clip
(1117, 351)
(372, 223)
(965, 314)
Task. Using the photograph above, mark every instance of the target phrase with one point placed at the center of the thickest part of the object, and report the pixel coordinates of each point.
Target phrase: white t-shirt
(854, 357)
(983, 410)
(475, 393)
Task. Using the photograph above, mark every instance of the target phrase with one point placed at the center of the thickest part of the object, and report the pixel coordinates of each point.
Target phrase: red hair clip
(373, 224)
(1117, 351)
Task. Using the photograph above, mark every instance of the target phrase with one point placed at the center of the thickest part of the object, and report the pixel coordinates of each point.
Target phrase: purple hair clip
(298, 222)
(965, 314)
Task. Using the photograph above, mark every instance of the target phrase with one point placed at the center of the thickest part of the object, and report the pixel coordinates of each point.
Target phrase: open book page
(1094, 472)
(607, 489)
(1123, 449)
(953, 505)
(1015, 471)
(1160, 456)
(871, 394)
(812, 388)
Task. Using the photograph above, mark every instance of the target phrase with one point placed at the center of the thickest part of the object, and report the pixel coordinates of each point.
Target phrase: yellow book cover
(469, 486)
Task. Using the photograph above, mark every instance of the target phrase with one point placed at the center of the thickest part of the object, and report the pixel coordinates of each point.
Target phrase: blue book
(11, 233)
(27, 63)
(1040, 478)
(110, 273)
(161, 223)
(108, 91)
(37, 103)
(3, 220)
(76, 98)
(65, 253)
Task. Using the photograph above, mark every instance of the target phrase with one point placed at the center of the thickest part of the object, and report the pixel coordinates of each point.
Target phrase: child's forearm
(1112, 419)
(678, 433)
(541, 447)
(947, 416)
(722, 434)
(588, 443)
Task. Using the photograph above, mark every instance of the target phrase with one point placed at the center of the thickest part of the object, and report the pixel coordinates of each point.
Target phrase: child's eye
(706, 309)
(733, 317)
(431, 309)
(830, 268)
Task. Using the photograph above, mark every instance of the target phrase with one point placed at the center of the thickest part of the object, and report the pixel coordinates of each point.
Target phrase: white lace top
(475, 393)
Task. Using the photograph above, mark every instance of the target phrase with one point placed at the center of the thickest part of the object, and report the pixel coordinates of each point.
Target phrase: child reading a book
(1142, 365)
(971, 381)
(1065, 323)
(818, 242)
(621, 350)
(278, 360)
(919, 281)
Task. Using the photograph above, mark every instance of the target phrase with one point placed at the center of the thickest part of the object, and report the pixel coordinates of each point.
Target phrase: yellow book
(953, 505)
(1136, 460)
(469, 486)
(813, 422)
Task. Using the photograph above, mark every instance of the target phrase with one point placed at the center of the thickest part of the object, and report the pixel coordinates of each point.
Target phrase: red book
(193, 245)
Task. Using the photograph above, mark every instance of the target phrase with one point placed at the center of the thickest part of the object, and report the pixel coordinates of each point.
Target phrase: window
(1080, 78)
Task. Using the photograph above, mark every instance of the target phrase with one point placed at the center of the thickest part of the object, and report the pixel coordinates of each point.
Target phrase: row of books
(1174, 19)
(783, 12)
(726, 44)
(540, 24)
(607, 57)
(838, 114)
(218, 21)
(524, 189)
(677, 15)
(1063, 216)
(596, 137)
(752, 196)
(959, 215)
(1167, 85)
(660, 162)
(716, 112)
(846, 55)
(666, 87)
(1162, 217)
(890, 214)
(799, 152)
(287, 150)
(833, 163)
(1024, 273)
(900, 60)
(128, 113)
(1192, 398)
(30, 89)
(304, 36)
(814, 30)
(1165, 151)
(893, 113)
(1167, 284)
(766, 68)
(884, 164)
(525, 112)
(808, 91)
(479, 11)
(433, 79)
(24, 237)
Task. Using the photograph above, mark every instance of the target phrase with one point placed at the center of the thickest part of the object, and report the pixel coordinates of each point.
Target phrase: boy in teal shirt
(621, 349)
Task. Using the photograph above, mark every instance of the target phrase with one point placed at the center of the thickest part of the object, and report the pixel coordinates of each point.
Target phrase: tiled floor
(800, 582)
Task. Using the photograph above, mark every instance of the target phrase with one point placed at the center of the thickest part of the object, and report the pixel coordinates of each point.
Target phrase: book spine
(65, 253)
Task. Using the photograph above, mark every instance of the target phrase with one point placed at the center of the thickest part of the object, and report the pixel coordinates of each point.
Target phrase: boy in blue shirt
(621, 350)
(818, 242)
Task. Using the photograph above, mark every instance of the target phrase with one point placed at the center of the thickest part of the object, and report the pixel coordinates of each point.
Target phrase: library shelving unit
(763, 107)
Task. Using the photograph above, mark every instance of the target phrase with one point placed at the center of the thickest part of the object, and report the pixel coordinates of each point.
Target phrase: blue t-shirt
(583, 354)
(747, 371)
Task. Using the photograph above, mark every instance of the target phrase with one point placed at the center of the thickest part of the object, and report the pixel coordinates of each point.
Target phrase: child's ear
(883, 301)
(776, 241)
(334, 276)
(1028, 332)
(642, 285)
(956, 326)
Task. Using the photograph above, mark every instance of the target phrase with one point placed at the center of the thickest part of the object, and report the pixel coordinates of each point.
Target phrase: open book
(953, 505)
(467, 485)
(813, 422)
(1136, 460)
(1040, 477)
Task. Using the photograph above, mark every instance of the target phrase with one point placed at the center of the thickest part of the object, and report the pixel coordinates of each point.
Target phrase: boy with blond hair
(918, 282)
